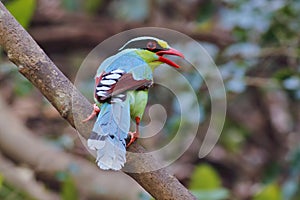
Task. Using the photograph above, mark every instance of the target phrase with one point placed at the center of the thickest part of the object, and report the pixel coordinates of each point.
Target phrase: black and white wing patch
(112, 86)
(105, 87)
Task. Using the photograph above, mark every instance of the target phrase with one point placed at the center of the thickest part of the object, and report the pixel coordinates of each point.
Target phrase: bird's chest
(138, 100)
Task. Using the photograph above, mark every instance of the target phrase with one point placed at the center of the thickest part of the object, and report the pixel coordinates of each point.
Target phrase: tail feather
(109, 134)
(112, 155)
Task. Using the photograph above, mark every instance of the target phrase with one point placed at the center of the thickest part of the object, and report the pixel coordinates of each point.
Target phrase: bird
(121, 93)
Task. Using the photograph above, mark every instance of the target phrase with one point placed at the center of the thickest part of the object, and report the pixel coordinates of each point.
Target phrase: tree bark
(37, 67)
(15, 139)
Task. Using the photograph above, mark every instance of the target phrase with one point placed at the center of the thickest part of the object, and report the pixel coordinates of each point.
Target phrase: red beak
(170, 51)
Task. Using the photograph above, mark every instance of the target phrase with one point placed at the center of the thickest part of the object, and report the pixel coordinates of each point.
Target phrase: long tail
(109, 134)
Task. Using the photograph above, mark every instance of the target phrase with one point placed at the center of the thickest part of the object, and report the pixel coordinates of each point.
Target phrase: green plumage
(138, 102)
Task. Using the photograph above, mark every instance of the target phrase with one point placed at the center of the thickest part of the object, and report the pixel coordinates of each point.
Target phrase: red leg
(135, 135)
(93, 114)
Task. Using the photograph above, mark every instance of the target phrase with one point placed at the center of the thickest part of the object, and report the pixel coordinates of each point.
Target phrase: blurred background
(255, 45)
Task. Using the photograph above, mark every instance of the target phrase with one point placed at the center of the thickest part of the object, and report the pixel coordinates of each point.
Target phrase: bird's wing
(109, 134)
(115, 83)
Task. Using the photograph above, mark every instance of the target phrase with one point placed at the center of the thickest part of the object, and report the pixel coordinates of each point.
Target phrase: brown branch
(35, 65)
(15, 139)
(84, 33)
(16, 177)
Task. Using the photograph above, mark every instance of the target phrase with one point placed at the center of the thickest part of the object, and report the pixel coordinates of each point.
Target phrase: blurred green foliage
(271, 191)
(92, 6)
(233, 137)
(261, 26)
(9, 192)
(206, 11)
(22, 10)
(205, 177)
(206, 184)
(1, 181)
(262, 29)
(68, 186)
(69, 190)
(88, 6)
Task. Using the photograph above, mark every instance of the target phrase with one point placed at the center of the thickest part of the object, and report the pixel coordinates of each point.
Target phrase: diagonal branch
(15, 139)
(24, 181)
(37, 67)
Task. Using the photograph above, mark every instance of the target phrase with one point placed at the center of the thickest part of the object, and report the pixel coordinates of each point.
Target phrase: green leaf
(22, 10)
(216, 194)
(205, 177)
(271, 191)
(69, 190)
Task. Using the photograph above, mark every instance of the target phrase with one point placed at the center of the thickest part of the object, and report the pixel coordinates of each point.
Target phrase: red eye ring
(151, 45)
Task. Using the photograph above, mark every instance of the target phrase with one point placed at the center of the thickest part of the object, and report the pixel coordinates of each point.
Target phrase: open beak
(170, 51)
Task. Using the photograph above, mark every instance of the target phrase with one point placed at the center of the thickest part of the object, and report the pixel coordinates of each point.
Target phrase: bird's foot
(95, 112)
(133, 137)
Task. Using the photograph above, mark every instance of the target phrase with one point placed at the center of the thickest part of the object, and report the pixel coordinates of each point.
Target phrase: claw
(95, 112)
(134, 135)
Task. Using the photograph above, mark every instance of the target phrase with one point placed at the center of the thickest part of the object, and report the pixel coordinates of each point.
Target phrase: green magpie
(121, 93)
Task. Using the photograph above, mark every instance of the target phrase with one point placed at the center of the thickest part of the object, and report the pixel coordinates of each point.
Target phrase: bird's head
(152, 50)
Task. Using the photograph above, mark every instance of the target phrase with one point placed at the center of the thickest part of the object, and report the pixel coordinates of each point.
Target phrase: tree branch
(37, 67)
(15, 139)
(24, 181)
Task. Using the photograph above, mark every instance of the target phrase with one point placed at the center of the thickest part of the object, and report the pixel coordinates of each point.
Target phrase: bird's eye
(151, 45)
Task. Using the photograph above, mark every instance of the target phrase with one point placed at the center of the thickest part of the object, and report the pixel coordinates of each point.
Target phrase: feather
(103, 88)
(118, 71)
(109, 134)
(113, 76)
(108, 82)
(127, 82)
(109, 88)
(101, 93)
